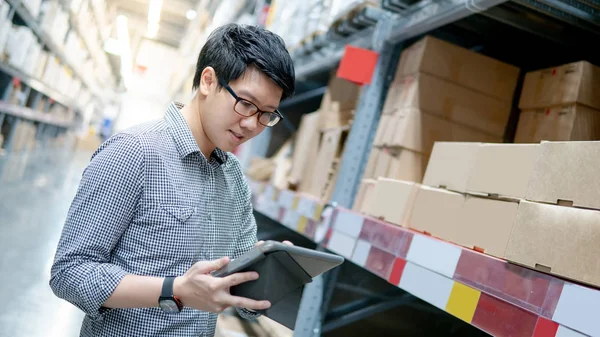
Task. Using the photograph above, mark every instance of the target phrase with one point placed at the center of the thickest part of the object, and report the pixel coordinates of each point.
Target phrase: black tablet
(313, 262)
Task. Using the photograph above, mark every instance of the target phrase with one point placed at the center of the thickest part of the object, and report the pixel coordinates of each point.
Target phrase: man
(163, 204)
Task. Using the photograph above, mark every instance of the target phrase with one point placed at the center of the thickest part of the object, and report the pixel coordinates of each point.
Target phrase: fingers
(288, 243)
(205, 267)
(239, 278)
(259, 243)
(243, 302)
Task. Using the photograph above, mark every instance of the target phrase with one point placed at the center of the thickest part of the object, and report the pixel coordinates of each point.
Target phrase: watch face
(168, 305)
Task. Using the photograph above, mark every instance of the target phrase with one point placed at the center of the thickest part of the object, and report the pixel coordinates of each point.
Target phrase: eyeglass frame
(258, 110)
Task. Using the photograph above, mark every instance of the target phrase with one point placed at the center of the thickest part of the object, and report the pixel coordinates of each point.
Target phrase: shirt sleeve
(103, 208)
(246, 241)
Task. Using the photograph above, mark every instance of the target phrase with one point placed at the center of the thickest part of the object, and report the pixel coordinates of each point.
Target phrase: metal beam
(367, 312)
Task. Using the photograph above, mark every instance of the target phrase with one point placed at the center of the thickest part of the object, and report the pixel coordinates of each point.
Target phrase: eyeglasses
(246, 108)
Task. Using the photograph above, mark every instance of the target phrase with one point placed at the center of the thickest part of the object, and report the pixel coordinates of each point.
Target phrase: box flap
(393, 200)
(503, 169)
(450, 165)
(486, 224)
(556, 239)
(567, 171)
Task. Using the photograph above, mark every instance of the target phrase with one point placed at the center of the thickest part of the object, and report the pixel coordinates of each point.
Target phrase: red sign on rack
(357, 65)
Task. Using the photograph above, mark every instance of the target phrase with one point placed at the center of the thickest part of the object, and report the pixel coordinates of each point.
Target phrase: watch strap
(167, 287)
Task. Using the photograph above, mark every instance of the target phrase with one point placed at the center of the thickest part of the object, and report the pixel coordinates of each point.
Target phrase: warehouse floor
(35, 192)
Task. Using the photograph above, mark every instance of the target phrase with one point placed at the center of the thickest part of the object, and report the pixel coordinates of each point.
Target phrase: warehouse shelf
(499, 298)
(33, 115)
(30, 21)
(325, 52)
(37, 85)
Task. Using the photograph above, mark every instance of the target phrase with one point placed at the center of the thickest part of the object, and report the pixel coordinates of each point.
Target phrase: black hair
(232, 48)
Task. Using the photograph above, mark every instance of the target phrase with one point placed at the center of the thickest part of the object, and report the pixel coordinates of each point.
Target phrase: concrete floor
(35, 192)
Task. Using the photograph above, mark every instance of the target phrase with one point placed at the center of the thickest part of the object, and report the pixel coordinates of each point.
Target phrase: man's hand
(284, 242)
(200, 290)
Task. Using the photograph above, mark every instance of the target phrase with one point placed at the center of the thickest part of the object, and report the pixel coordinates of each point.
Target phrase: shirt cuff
(98, 287)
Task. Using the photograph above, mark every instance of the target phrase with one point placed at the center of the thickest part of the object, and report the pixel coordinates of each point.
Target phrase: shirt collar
(184, 140)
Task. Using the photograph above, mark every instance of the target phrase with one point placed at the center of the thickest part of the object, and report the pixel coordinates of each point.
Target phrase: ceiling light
(125, 48)
(154, 17)
(191, 14)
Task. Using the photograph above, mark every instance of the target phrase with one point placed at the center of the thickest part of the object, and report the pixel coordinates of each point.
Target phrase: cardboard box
(461, 66)
(368, 198)
(437, 211)
(559, 240)
(359, 200)
(577, 82)
(567, 172)
(382, 164)
(306, 147)
(393, 200)
(371, 164)
(383, 124)
(341, 93)
(452, 102)
(407, 165)
(450, 165)
(418, 131)
(559, 123)
(330, 149)
(486, 224)
(503, 169)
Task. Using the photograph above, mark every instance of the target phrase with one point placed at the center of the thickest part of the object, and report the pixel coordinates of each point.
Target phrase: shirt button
(209, 217)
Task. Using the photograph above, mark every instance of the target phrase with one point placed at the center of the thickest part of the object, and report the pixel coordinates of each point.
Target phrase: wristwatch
(167, 301)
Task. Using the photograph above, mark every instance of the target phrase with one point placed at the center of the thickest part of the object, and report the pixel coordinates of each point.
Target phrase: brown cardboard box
(503, 169)
(306, 146)
(450, 165)
(359, 200)
(567, 171)
(383, 124)
(329, 152)
(393, 200)
(437, 211)
(577, 82)
(452, 102)
(341, 92)
(461, 66)
(407, 165)
(368, 198)
(486, 224)
(417, 131)
(558, 240)
(559, 123)
(383, 163)
(371, 164)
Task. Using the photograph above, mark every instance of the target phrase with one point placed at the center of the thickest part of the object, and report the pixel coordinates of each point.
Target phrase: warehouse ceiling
(173, 21)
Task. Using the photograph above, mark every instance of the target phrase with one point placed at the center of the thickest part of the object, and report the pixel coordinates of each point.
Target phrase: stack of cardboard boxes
(441, 92)
(320, 140)
(560, 104)
(536, 205)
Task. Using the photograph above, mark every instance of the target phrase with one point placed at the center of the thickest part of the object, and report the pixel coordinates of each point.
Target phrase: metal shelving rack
(393, 28)
(48, 125)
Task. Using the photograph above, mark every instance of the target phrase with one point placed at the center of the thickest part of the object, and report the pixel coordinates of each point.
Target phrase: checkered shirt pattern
(149, 203)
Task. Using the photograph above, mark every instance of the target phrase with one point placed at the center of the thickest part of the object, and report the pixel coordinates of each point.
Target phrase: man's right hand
(199, 290)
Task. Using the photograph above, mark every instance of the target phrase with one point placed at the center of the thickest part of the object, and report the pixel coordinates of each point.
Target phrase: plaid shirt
(150, 203)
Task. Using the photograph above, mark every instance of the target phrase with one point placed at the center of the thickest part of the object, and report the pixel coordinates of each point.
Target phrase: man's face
(225, 128)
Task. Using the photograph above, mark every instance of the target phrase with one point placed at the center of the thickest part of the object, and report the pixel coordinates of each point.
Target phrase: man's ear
(208, 81)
